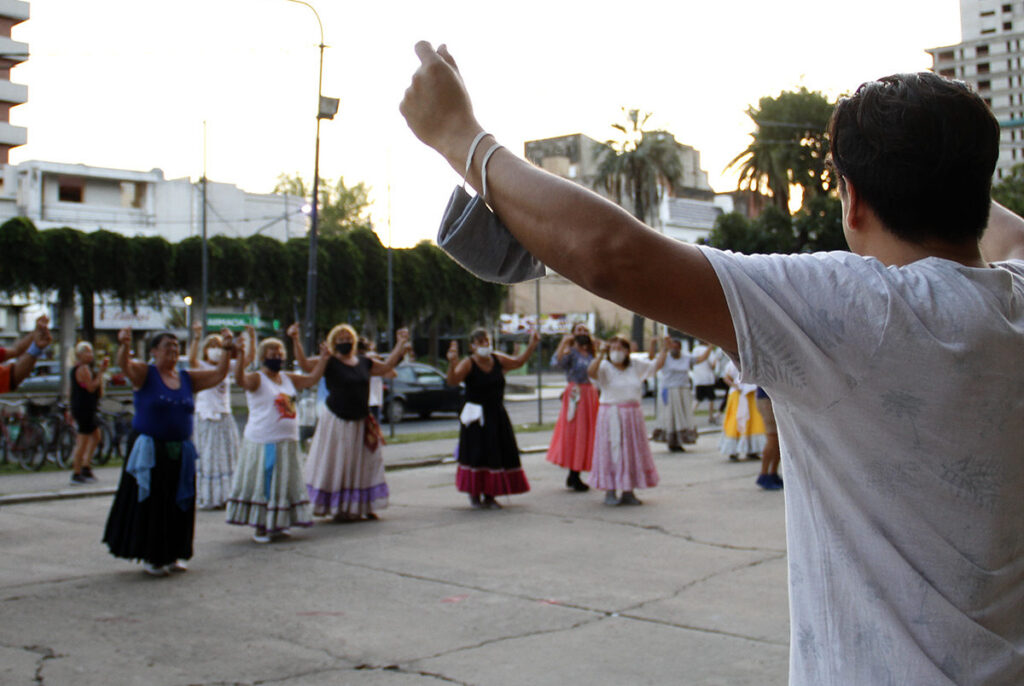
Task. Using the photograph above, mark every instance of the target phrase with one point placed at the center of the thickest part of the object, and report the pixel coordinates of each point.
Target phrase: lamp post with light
(188, 314)
(326, 109)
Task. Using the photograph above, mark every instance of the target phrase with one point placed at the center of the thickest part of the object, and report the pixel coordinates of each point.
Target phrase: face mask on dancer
(483, 350)
(617, 356)
(274, 364)
(344, 348)
(582, 339)
(214, 354)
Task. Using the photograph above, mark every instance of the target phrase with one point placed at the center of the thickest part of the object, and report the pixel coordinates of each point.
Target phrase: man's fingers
(442, 50)
(425, 51)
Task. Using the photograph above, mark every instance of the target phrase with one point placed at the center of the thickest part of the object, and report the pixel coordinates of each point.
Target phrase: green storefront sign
(238, 321)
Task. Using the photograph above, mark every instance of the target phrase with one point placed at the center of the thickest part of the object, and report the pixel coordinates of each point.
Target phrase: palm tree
(789, 146)
(641, 166)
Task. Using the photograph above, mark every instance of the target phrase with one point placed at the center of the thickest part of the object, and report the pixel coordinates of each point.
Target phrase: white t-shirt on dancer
(898, 397)
(623, 385)
(273, 415)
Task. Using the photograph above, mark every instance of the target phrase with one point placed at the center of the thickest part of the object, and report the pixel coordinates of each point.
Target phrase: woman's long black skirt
(157, 530)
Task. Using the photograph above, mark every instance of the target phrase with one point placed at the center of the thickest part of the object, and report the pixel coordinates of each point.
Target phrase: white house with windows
(141, 203)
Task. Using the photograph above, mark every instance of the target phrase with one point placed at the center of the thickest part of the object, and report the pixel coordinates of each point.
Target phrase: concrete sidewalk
(554, 589)
(33, 486)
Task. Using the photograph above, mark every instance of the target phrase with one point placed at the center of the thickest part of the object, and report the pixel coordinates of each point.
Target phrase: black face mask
(582, 339)
(343, 348)
(274, 364)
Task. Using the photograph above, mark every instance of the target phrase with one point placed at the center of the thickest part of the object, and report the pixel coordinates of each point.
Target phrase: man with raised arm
(895, 369)
(24, 353)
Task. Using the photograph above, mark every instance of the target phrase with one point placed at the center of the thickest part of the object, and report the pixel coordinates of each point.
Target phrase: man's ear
(854, 210)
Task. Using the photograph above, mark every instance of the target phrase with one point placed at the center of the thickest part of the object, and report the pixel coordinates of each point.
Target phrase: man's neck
(896, 252)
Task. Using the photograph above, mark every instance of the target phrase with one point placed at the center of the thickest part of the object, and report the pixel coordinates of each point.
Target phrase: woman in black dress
(488, 455)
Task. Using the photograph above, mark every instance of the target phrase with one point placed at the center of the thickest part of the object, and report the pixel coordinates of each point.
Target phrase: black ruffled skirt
(158, 530)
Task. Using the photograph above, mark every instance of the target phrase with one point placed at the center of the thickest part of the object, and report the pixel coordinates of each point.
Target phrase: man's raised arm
(1004, 237)
(582, 236)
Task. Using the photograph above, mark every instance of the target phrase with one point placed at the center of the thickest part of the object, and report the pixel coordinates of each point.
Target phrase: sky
(128, 83)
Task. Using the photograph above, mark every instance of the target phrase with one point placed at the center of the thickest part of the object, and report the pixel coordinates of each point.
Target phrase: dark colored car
(420, 389)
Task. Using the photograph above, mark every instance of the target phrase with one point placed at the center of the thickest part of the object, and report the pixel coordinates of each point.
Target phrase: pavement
(555, 588)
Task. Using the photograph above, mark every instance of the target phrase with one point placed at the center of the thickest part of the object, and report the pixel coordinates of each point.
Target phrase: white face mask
(484, 350)
(214, 354)
(616, 356)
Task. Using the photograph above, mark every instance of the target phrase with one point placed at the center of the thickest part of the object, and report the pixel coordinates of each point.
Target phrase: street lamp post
(326, 109)
(188, 315)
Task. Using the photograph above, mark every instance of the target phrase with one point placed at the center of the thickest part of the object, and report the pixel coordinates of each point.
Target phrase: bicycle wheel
(30, 447)
(122, 430)
(64, 445)
(106, 444)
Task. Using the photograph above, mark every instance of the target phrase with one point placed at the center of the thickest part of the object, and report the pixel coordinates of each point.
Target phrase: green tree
(1009, 191)
(342, 208)
(639, 166)
(21, 256)
(788, 147)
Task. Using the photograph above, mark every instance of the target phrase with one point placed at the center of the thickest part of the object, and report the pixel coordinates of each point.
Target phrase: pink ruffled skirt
(622, 453)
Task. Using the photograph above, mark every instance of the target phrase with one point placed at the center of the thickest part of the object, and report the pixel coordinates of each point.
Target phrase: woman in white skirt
(216, 433)
(676, 425)
(622, 454)
(345, 469)
(269, 493)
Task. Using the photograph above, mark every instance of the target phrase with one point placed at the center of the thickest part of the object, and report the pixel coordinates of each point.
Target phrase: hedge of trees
(429, 289)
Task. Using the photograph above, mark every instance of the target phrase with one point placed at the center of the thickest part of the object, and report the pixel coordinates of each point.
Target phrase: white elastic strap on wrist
(483, 169)
(472, 151)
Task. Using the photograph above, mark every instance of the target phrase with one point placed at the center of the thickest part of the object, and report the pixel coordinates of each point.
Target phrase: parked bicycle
(22, 437)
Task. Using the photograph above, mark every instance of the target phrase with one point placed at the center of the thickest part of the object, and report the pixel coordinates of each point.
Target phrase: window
(988, 101)
(981, 51)
(1007, 26)
(988, 13)
(949, 73)
(1007, 8)
(947, 55)
(984, 85)
(983, 68)
(70, 190)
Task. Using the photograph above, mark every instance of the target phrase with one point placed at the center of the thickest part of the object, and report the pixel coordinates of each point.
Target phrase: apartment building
(12, 53)
(989, 58)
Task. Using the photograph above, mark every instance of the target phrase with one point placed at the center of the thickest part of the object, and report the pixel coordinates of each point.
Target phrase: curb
(430, 461)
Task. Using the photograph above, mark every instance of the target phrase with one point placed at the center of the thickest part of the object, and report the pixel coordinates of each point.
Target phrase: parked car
(44, 378)
(420, 389)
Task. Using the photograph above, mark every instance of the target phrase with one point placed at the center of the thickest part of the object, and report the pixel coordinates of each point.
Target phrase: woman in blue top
(152, 518)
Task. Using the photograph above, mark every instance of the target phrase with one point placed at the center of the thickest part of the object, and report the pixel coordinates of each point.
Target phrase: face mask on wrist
(343, 348)
(473, 236)
(274, 364)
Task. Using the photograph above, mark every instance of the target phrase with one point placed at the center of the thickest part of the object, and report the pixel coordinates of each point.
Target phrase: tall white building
(989, 58)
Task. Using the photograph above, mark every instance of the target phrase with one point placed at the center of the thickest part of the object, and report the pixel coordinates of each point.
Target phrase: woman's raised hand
(124, 336)
(453, 352)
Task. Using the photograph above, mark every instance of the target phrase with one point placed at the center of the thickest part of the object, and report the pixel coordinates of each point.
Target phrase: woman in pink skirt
(572, 443)
(622, 455)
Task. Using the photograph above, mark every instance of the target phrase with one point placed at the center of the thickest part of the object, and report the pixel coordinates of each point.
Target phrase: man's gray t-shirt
(899, 397)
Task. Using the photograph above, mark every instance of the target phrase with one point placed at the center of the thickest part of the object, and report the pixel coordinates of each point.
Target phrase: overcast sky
(128, 83)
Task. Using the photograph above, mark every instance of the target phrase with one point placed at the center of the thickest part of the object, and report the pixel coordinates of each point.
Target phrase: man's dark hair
(920, 150)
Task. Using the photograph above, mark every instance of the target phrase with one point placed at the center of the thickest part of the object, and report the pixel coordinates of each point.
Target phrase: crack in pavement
(414, 672)
(44, 652)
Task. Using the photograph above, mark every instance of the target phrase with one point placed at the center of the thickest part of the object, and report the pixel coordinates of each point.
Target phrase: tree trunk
(66, 312)
(88, 316)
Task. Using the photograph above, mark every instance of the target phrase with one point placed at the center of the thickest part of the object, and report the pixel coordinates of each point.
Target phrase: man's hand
(437, 107)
